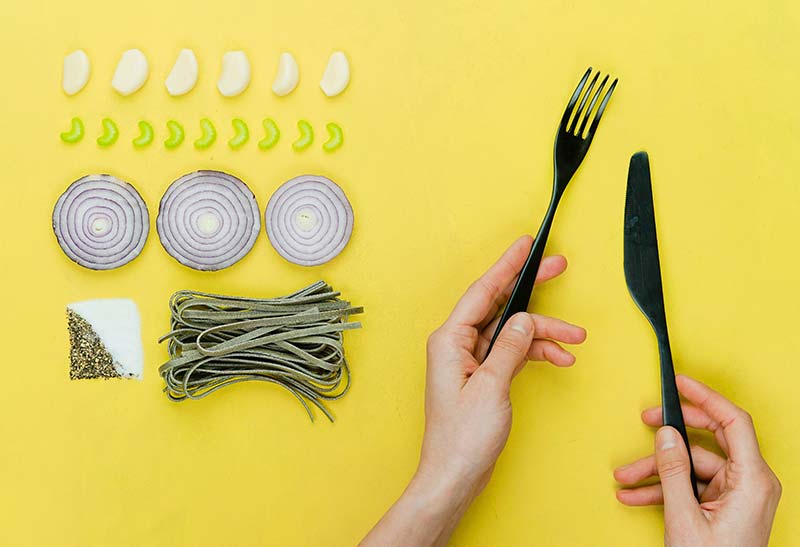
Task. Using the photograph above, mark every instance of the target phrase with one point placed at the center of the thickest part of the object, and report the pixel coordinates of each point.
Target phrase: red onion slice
(309, 220)
(208, 220)
(101, 222)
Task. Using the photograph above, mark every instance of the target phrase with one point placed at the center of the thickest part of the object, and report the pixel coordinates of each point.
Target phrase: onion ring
(309, 220)
(101, 222)
(208, 220)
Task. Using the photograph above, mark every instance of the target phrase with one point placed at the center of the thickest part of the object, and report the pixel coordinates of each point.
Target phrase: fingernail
(666, 438)
(623, 467)
(522, 323)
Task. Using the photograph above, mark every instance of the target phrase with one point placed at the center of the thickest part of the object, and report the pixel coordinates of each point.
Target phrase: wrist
(441, 493)
(425, 515)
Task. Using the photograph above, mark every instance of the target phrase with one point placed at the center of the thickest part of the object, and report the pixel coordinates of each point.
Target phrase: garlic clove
(76, 72)
(131, 73)
(183, 76)
(235, 75)
(287, 77)
(336, 76)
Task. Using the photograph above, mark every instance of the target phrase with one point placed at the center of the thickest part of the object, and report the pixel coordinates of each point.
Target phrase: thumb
(672, 462)
(510, 349)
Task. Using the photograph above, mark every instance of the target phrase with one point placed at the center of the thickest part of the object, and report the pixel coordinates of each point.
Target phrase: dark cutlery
(643, 276)
(570, 149)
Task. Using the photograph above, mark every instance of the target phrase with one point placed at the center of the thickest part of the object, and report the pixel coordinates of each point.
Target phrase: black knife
(643, 276)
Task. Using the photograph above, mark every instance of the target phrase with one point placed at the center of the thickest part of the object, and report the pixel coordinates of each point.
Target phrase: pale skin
(468, 421)
(739, 493)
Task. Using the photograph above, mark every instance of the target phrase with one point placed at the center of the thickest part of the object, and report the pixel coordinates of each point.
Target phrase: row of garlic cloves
(133, 70)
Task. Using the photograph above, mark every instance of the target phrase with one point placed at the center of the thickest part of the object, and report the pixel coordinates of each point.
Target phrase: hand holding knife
(643, 276)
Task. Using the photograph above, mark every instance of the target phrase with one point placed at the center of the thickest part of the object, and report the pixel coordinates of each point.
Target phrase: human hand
(739, 493)
(467, 405)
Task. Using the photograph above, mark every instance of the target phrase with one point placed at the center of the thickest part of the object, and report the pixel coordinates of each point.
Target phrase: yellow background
(449, 123)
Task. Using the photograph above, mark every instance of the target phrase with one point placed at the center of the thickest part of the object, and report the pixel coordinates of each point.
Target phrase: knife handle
(670, 401)
(521, 295)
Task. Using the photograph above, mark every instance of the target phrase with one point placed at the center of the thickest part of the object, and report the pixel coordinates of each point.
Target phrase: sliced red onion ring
(208, 220)
(309, 220)
(101, 222)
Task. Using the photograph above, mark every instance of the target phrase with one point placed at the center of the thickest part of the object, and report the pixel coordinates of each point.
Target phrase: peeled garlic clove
(183, 76)
(235, 75)
(287, 77)
(336, 76)
(76, 72)
(131, 74)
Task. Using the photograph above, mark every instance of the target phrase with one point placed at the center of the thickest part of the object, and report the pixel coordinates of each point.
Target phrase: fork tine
(574, 98)
(602, 108)
(591, 105)
(579, 111)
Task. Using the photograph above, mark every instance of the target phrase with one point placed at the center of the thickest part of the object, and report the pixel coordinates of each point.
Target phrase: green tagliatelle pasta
(295, 341)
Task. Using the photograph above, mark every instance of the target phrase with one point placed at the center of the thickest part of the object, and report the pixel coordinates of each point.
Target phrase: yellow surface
(449, 124)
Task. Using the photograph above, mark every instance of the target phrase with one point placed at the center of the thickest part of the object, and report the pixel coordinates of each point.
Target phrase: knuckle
(777, 487)
(482, 287)
(770, 484)
(508, 344)
(745, 417)
(435, 339)
(448, 336)
(460, 336)
(673, 468)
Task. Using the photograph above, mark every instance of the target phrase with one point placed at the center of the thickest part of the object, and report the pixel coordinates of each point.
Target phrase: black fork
(570, 149)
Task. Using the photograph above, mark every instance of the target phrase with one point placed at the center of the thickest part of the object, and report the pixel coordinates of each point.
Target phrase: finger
(672, 464)
(544, 327)
(693, 417)
(706, 466)
(547, 350)
(550, 267)
(480, 297)
(510, 350)
(737, 425)
(644, 495)
(652, 494)
(554, 329)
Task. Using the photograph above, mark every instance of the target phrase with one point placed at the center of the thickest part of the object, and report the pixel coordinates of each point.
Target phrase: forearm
(424, 516)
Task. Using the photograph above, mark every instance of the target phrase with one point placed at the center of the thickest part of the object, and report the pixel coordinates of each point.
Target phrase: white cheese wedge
(76, 72)
(235, 75)
(183, 76)
(336, 76)
(131, 73)
(116, 323)
(287, 77)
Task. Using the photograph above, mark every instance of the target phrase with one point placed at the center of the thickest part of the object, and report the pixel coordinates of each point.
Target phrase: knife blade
(641, 261)
(643, 277)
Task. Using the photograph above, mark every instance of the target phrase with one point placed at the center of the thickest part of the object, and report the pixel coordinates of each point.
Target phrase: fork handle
(521, 294)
